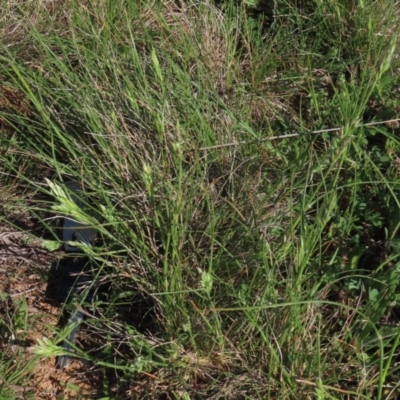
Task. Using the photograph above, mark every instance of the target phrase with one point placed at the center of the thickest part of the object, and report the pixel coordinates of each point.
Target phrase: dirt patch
(28, 315)
(13, 100)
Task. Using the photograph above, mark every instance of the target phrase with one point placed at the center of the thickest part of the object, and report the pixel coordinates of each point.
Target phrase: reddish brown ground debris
(14, 101)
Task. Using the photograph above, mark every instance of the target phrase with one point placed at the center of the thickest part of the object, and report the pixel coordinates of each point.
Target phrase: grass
(238, 266)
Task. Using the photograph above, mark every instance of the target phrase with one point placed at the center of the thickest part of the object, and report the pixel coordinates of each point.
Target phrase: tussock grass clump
(253, 270)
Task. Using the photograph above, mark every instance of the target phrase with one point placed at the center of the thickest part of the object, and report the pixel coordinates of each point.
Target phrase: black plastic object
(74, 273)
(72, 279)
(75, 320)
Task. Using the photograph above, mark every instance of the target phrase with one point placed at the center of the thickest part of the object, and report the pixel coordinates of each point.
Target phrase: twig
(17, 388)
(295, 134)
(22, 293)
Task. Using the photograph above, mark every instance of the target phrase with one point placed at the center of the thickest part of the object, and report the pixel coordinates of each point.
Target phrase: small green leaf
(73, 387)
(373, 294)
(156, 65)
(50, 245)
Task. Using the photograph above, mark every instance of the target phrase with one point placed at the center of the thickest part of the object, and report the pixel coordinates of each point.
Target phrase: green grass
(239, 266)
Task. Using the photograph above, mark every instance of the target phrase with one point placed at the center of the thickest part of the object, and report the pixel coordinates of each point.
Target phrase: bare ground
(28, 315)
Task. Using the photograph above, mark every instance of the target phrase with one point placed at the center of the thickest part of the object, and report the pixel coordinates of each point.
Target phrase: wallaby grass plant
(252, 271)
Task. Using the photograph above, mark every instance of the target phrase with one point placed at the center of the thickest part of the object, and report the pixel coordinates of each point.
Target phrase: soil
(23, 287)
